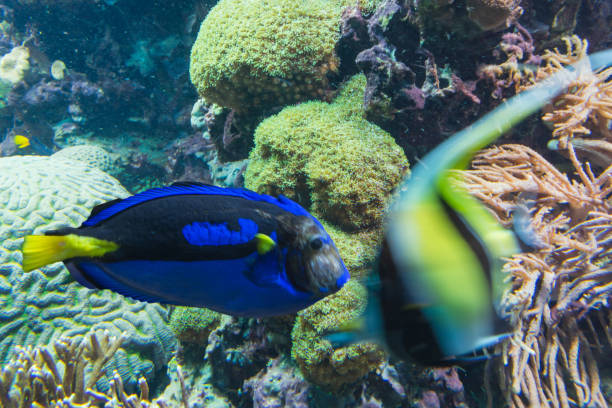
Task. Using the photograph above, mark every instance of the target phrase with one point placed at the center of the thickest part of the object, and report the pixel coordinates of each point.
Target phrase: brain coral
(90, 154)
(328, 158)
(43, 193)
(250, 53)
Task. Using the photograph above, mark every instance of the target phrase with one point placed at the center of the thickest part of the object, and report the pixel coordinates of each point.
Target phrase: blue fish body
(198, 245)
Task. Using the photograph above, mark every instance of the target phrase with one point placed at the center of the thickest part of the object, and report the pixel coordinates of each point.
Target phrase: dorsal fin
(190, 188)
(191, 184)
(103, 206)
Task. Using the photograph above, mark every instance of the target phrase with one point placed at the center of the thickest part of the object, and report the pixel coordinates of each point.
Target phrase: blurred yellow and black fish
(436, 296)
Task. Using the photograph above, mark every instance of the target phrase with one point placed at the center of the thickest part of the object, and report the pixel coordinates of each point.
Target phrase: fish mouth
(326, 272)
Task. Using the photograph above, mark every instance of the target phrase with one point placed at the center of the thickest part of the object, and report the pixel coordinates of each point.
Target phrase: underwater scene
(305, 203)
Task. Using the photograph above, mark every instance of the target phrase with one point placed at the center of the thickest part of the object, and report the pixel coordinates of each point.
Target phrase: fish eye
(316, 243)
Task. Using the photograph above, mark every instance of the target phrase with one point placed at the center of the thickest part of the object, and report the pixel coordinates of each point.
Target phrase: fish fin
(187, 183)
(528, 238)
(482, 352)
(104, 206)
(368, 327)
(77, 272)
(41, 250)
(193, 188)
(97, 275)
(264, 243)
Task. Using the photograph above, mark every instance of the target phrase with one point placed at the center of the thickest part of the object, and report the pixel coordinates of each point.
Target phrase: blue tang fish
(227, 249)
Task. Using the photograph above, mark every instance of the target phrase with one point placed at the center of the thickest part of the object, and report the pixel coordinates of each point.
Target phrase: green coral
(327, 157)
(358, 249)
(253, 53)
(343, 169)
(318, 361)
(192, 324)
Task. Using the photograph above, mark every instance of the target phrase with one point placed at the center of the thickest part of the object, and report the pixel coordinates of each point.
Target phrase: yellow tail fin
(41, 250)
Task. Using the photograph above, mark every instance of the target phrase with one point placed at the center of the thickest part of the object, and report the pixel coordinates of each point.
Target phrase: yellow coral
(250, 53)
(15, 65)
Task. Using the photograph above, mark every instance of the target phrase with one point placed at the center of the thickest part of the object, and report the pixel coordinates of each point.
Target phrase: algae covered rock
(318, 361)
(194, 324)
(329, 159)
(253, 53)
(38, 194)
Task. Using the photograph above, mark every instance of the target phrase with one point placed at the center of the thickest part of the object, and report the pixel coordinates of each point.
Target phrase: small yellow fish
(21, 141)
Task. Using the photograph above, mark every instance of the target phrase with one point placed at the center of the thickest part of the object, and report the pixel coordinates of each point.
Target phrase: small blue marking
(205, 233)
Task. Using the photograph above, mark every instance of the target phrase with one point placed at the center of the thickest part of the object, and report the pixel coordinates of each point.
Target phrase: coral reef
(91, 154)
(40, 194)
(343, 168)
(516, 71)
(239, 348)
(67, 377)
(193, 325)
(14, 65)
(421, 75)
(319, 362)
(445, 389)
(124, 87)
(558, 288)
(581, 115)
(328, 158)
(586, 108)
(492, 14)
(279, 385)
(190, 388)
(252, 54)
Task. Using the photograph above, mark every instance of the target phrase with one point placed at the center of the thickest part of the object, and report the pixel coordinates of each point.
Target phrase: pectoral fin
(264, 243)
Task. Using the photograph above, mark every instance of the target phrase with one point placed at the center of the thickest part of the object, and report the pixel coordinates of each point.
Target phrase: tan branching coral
(586, 108)
(583, 114)
(36, 377)
(562, 290)
(517, 71)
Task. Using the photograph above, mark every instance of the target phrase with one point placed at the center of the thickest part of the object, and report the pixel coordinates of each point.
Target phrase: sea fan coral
(561, 291)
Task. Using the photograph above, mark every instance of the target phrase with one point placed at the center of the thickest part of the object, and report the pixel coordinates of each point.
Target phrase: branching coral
(559, 289)
(34, 377)
(586, 109)
(516, 71)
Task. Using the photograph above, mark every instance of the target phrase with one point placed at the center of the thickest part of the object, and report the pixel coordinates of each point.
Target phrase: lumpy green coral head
(328, 158)
(253, 53)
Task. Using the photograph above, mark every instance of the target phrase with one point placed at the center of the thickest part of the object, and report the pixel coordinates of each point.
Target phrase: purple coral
(279, 385)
